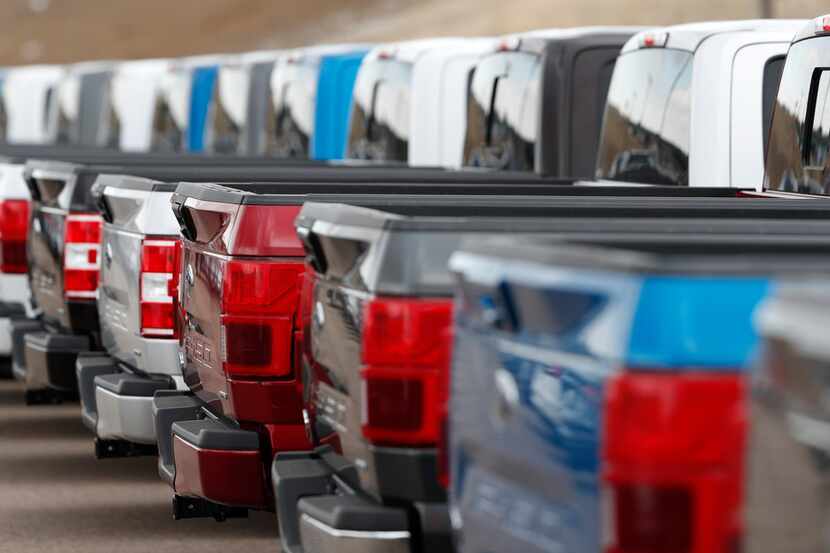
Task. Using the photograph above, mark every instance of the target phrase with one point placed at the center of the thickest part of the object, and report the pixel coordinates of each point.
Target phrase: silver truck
(139, 248)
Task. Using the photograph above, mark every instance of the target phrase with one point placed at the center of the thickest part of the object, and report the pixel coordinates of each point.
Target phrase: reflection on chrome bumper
(318, 537)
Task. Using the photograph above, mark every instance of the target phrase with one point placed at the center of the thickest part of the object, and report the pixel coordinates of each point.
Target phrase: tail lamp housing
(406, 354)
(160, 270)
(81, 255)
(14, 228)
(259, 303)
(673, 462)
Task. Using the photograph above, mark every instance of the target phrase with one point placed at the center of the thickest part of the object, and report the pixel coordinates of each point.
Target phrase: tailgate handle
(31, 184)
(186, 226)
(314, 251)
(104, 208)
(498, 310)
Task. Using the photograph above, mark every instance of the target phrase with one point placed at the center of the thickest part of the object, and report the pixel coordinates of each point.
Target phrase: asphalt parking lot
(55, 496)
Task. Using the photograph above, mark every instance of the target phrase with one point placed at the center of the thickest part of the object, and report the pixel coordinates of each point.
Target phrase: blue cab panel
(334, 97)
(535, 346)
(201, 94)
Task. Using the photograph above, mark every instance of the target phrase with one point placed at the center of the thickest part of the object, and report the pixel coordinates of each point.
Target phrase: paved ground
(56, 497)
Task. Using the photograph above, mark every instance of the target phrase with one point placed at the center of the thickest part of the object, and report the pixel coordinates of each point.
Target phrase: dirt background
(34, 31)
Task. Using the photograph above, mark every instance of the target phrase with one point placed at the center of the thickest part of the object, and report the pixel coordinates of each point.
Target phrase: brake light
(160, 260)
(81, 259)
(259, 302)
(823, 25)
(673, 462)
(14, 227)
(406, 355)
(654, 40)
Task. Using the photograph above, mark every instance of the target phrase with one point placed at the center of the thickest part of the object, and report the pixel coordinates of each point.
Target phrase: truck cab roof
(689, 36)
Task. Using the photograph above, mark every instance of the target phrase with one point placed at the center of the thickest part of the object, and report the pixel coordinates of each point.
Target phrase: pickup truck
(536, 101)
(134, 90)
(690, 105)
(77, 108)
(380, 117)
(237, 117)
(296, 99)
(26, 98)
(376, 342)
(786, 476)
(600, 390)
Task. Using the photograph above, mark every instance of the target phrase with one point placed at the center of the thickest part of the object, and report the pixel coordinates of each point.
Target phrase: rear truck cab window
(689, 105)
(238, 108)
(611, 360)
(26, 96)
(134, 90)
(137, 299)
(379, 123)
(378, 333)
(787, 464)
(78, 107)
(797, 159)
(527, 110)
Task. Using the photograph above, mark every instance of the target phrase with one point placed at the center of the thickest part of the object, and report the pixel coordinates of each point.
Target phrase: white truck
(690, 105)
(135, 88)
(380, 121)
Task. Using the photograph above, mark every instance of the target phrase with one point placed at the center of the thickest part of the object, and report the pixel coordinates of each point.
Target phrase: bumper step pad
(51, 358)
(169, 407)
(87, 367)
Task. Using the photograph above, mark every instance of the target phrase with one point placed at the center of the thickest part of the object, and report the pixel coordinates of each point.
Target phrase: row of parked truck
(514, 305)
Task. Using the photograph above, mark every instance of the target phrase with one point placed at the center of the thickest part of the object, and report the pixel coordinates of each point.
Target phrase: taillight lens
(81, 255)
(673, 462)
(14, 227)
(160, 260)
(259, 302)
(406, 355)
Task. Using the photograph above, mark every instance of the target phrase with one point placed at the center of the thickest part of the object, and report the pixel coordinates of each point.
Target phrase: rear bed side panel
(526, 407)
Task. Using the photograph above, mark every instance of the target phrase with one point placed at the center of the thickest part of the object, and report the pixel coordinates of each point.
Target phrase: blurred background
(35, 31)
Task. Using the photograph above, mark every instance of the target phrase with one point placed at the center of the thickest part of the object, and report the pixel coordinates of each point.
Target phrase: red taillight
(81, 263)
(406, 354)
(259, 301)
(159, 286)
(673, 461)
(14, 227)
